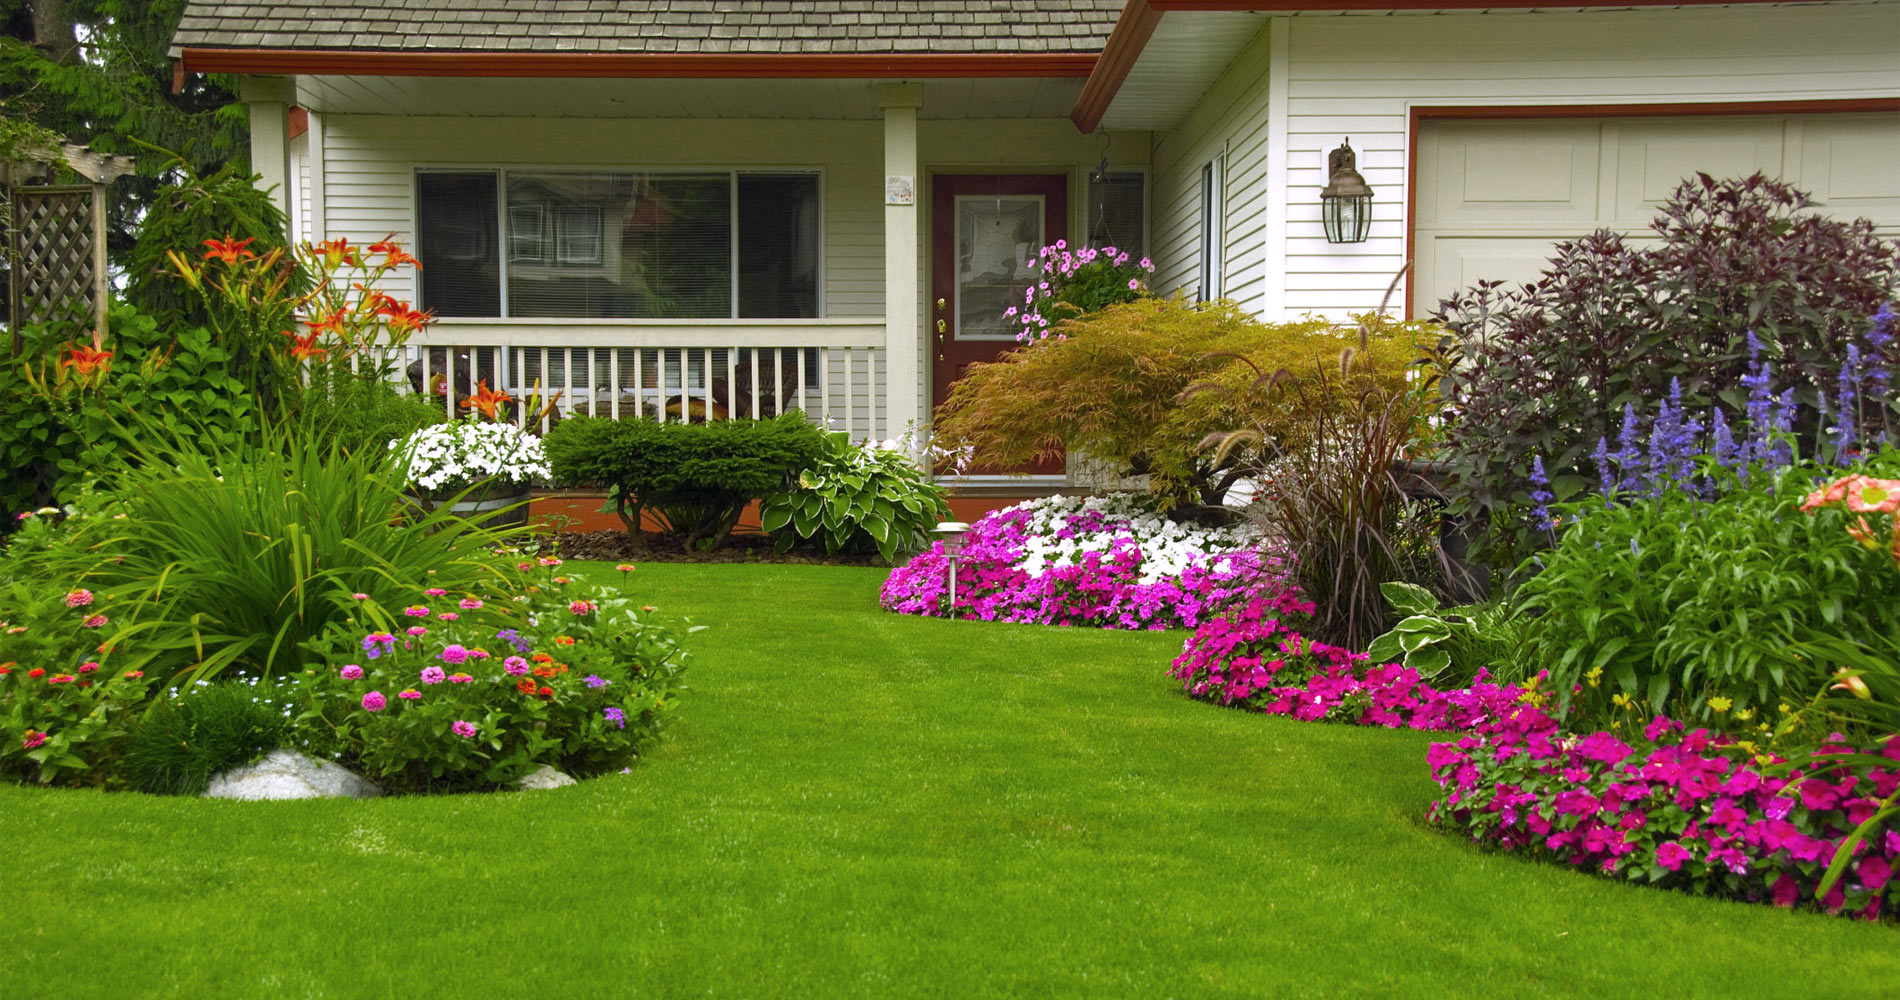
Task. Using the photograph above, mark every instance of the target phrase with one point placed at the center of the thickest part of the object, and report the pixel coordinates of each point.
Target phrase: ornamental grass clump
(1106, 562)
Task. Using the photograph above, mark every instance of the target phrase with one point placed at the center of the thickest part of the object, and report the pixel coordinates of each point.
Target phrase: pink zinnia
(581, 607)
(359, 597)
(470, 604)
(465, 730)
(351, 672)
(88, 667)
(515, 665)
(409, 694)
(95, 621)
(454, 653)
(433, 675)
(416, 611)
(448, 616)
(435, 592)
(78, 598)
(460, 678)
(374, 701)
(417, 630)
(549, 561)
(34, 738)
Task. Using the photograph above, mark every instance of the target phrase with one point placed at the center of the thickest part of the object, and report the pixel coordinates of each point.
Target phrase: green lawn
(861, 804)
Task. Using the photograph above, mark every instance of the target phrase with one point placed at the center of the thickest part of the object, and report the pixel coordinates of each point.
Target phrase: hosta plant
(857, 498)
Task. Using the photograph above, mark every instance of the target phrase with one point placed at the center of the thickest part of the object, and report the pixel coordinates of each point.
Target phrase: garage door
(1493, 196)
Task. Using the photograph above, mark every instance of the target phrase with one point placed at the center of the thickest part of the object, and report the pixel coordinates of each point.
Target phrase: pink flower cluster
(1094, 570)
(1255, 657)
(1691, 810)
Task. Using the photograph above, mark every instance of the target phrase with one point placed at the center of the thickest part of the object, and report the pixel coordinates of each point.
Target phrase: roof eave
(1140, 18)
(630, 65)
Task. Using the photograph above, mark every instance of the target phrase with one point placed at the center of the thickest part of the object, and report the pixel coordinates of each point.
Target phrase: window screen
(1118, 213)
(459, 244)
(620, 246)
(778, 246)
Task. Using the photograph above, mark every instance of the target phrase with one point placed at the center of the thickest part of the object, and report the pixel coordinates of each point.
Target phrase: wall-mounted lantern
(1346, 202)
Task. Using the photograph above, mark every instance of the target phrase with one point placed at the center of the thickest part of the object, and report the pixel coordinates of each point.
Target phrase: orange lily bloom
(332, 323)
(228, 250)
(488, 401)
(406, 320)
(337, 251)
(393, 253)
(87, 359)
(305, 348)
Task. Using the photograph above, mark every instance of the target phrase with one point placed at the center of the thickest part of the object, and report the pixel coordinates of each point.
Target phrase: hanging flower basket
(481, 470)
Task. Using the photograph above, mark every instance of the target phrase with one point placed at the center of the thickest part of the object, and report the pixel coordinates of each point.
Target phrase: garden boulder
(543, 778)
(287, 774)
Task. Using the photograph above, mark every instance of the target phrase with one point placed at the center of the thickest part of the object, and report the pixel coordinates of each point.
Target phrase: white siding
(1230, 119)
(370, 160)
(1359, 77)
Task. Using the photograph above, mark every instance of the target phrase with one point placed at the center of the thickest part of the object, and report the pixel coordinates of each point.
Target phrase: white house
(683, 206)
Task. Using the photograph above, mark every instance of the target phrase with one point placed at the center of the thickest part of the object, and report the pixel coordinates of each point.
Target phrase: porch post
(904, 386)
(269, 102)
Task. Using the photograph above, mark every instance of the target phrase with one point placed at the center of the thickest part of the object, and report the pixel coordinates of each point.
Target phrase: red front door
(985, 232)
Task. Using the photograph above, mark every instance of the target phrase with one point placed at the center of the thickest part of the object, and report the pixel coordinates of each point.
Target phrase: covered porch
(694, 248)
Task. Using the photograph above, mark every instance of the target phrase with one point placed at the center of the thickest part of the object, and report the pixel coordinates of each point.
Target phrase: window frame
(1213, 229)
(501, 171)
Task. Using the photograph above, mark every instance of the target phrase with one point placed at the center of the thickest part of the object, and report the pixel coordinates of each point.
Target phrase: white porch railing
(833, 370)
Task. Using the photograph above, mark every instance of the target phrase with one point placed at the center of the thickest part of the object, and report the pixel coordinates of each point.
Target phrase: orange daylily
(87, 359)
(228, 250)
(337, 251)
(332, 323)
(403, 319)
(488, 401)
(393, 253)
(305, 348)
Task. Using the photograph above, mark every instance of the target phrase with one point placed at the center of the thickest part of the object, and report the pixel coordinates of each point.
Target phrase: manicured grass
(861, 804)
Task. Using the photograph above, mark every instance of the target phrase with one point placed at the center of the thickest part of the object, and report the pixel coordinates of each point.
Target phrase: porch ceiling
(678, 98)
(1183, 58)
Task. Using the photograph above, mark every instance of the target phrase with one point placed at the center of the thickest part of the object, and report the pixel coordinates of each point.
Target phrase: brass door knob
(940, 304)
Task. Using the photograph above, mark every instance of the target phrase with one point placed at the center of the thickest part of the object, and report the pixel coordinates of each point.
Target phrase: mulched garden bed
(616, 546)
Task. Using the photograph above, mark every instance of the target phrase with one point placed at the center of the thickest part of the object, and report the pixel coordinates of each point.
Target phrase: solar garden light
(951, 533)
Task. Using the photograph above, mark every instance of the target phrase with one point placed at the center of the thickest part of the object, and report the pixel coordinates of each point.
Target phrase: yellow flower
(1720, 704)
(1744, 714)
(1595, 676)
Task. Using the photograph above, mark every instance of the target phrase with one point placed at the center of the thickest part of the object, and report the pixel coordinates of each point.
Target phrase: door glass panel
(997, 242)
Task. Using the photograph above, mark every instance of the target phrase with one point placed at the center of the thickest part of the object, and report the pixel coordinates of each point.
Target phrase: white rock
(543, 778)
(287, 774)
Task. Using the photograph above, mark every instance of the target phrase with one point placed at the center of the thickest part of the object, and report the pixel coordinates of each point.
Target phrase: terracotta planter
(495, 505)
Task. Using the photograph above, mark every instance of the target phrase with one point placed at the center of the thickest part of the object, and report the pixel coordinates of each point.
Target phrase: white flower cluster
(1167, 547)
(466, 451)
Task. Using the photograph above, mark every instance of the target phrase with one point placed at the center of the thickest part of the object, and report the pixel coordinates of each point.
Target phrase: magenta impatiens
(1106, 562)
(1693, 810)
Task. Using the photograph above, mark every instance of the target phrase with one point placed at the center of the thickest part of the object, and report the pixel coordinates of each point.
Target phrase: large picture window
(613, 245)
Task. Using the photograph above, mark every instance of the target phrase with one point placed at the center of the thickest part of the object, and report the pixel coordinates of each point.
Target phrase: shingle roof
(650, 26)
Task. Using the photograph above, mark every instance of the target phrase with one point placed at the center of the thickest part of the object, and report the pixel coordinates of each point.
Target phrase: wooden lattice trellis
(56, 239)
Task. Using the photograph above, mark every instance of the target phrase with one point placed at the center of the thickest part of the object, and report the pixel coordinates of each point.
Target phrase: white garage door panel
(1494, 195)
(1486, 174)
(1652, 158)
(1852, 165)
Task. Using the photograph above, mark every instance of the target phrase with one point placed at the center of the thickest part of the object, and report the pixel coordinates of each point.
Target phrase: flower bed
(1107, 562)
(1695, 811)
(1254, 657)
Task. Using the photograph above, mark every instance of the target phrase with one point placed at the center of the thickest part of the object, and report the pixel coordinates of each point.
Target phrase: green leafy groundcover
(859, 804)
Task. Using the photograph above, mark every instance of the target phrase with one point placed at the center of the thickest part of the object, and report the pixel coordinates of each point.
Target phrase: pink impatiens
(1104, 562)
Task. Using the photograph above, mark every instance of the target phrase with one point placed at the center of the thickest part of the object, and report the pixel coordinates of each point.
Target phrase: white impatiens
(456, 455)
(1063, 531)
